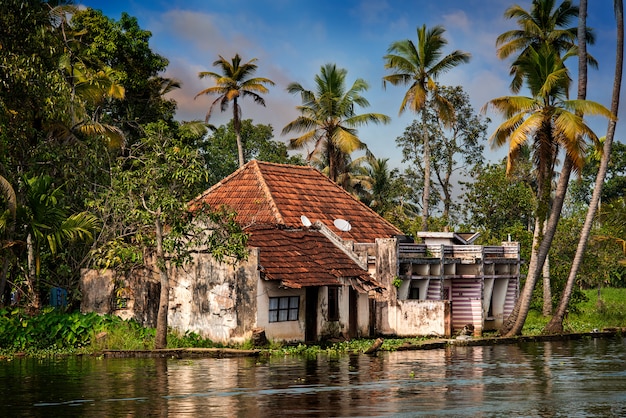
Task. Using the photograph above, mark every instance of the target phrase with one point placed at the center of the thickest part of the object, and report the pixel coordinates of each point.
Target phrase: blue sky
(293, 39)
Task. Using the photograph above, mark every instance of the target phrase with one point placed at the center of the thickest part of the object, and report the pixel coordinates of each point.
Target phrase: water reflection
(552, 379)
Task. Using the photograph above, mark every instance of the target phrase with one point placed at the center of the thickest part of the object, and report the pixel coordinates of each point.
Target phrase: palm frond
(9, 195)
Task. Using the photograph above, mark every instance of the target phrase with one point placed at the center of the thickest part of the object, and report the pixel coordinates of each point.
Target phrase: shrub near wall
(51, 329)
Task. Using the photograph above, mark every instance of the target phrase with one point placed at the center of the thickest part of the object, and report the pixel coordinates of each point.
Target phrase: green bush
(57, 331)
(188, 340)
(52, 328)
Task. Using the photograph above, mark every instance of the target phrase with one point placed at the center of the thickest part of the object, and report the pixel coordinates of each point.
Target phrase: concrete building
(321, 265)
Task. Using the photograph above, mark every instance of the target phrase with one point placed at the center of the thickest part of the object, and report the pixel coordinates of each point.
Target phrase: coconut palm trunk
(419, 65)
(556, 323)
(541, 247)
(237, 126)
(547, 288)
(31, 275)
(426, 190)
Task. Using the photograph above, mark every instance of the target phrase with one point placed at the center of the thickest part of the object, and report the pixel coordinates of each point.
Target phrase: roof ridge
(356, 200)
(266, 190)
(218, 184)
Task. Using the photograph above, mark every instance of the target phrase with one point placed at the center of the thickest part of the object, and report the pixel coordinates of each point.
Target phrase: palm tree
(234, 82)
(7, 228)
(541, 29)
(419, 66)
(543, 25)
(328, 118)
(556, 322)
(90, 85)
(552, 122)
(48, 224)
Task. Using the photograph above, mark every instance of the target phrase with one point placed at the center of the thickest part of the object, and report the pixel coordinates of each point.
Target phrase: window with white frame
(284, 308)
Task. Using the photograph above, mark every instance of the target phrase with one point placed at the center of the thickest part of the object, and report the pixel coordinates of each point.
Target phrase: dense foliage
(52, 329)
(93, 162)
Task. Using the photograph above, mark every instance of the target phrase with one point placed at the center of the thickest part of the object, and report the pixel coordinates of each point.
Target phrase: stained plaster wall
(105, 293)
(216, 300)
(404, 318)
(421, 317)
(341, 328)
(363, 312)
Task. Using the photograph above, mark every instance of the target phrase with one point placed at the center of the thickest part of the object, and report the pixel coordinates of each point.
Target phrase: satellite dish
(342, 225)
(305, 221)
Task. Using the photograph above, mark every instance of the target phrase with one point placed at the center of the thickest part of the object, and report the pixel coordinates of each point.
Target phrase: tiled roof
(305, 257)
(279, 194)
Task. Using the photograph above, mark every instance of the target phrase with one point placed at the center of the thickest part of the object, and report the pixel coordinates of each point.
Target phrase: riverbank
(57, 333)
(406, 345)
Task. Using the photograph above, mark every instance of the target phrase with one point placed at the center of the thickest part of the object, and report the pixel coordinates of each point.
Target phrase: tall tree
(219, 148)
(235, 81)
(550, 121)
(556, 323)
(328, 118)
(31, 89)
(146, 211)
(419, 66)
(542, 32)
(457, 146)
(124, 47)
(543, 26)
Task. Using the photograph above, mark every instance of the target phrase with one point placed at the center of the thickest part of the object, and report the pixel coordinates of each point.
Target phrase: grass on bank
(55, 332)
(608, 311)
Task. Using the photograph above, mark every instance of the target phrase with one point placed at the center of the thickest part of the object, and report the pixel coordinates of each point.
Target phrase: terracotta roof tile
(279, 194)
(303, 257)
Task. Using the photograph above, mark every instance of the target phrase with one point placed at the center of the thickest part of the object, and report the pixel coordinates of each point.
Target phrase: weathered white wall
(97, 289)
(363, 308)
(105, 293)
(386, 272)
(420, 317)
(285, 330)
(215, 300)
(332, 329)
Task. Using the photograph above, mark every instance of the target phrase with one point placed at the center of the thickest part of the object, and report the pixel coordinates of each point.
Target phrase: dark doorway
(310, 322)
(372, 324)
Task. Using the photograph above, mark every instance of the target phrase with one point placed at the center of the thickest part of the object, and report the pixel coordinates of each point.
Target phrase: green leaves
(154, 183)
(328, 118)
(52, 328)
(420, 65)
(48, 220)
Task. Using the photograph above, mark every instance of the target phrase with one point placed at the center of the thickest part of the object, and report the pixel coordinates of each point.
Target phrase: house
(303, 279)
(321, 265)
(312, 284)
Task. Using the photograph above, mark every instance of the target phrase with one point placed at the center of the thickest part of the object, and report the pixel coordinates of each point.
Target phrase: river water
(585, 378)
